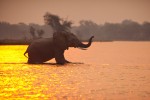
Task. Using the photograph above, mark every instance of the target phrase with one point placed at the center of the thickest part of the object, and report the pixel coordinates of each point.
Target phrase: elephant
(44, 49)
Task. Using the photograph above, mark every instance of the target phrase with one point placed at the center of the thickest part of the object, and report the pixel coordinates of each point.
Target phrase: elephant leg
(66, 61)
(59, 57)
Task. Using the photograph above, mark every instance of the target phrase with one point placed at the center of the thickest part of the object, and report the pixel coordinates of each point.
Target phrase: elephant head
(64, 40)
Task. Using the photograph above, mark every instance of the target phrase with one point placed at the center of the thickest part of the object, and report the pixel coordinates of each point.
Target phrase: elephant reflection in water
(44, 49)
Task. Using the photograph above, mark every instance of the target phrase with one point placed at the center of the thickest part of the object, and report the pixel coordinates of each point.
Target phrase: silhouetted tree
(57, 23)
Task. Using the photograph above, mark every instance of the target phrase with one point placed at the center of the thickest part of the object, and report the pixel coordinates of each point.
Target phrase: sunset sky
(99, 11)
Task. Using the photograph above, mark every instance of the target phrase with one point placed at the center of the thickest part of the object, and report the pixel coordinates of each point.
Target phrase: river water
(106, 71)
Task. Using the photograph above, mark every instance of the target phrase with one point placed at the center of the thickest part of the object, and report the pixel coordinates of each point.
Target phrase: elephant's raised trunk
(87, 45)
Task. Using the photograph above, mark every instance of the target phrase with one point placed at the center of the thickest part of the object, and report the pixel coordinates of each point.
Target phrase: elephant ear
(60, 40)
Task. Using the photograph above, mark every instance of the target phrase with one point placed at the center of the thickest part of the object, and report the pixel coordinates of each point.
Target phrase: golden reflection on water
(11, 54)
(99, 78)
(21, 81)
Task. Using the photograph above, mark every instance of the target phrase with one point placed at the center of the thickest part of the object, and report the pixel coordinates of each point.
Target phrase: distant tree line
(127, 30)
(22, 33)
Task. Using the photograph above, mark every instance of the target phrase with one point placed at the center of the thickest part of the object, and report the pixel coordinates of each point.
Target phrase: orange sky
(99, 11)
